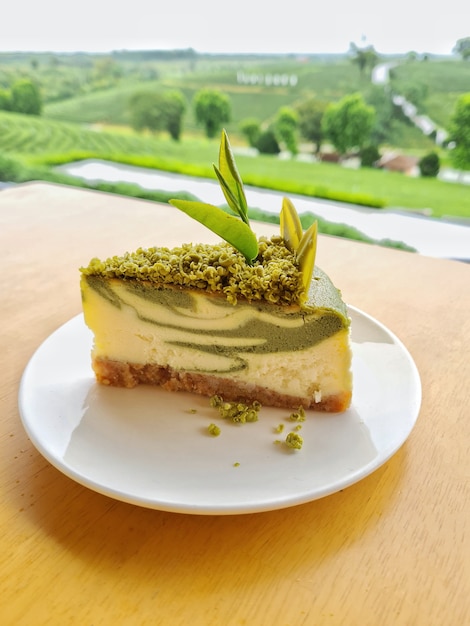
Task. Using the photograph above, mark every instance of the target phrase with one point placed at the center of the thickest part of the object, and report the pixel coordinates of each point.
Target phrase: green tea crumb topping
(214, 430)
(237, 412)
(274, 275)
(294, 440)
(297, 416)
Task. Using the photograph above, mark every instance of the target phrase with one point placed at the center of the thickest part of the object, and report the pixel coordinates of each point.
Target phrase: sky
(231, 26)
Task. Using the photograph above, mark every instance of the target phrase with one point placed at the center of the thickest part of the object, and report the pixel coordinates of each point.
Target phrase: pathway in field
(432, 237)
(381, 76)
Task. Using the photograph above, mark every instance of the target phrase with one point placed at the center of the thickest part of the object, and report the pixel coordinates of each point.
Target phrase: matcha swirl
(224, 332)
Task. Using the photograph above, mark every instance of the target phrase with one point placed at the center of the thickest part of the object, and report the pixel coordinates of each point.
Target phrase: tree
(387, 116)
(286, 125)
(212, 109)
(460, 133)
(26, 97)
(348, 123)
(156, 111)
(365, 58)
(310, 115)
(174, 109)
(462, 47)
(147, 111)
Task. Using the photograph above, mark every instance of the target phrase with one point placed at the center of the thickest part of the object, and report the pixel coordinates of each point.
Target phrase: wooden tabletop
(392, 549)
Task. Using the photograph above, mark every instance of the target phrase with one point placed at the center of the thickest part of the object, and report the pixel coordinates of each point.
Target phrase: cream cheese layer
(191, 331)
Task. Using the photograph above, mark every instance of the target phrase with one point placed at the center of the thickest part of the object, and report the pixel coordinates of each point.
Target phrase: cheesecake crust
(119, 374)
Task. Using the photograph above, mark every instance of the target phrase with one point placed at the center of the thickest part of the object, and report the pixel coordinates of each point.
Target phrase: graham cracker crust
(118, 374)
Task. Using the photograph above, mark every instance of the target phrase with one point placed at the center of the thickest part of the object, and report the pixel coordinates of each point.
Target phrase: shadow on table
(157, 548)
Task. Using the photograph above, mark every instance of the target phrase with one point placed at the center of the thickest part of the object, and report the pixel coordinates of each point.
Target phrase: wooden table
(392, 549)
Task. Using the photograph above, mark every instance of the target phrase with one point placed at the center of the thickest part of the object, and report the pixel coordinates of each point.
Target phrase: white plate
(148, 447)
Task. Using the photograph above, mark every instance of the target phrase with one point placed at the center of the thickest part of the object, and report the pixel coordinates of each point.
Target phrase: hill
(258, 87)
(96, 88)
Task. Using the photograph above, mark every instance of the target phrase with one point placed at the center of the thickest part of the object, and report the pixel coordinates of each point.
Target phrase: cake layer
(300, 355)
(129, 375)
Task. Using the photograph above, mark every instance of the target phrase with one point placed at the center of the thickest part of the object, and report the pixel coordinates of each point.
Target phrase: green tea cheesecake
(248, 319)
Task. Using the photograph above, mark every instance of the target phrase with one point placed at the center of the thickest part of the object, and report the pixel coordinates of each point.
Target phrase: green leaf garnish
(230, 228)
(306, 253)
(230, 180)
(291, 228)
(303, 245)
(235, 232)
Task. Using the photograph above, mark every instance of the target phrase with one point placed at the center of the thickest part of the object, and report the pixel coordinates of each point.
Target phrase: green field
(38, 142)
(110, 107)
(86, 115)
(87, 88)
(443, 80)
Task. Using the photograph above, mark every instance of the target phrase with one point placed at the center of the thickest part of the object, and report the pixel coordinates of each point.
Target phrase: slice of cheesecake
(200, 319)
(247, 319)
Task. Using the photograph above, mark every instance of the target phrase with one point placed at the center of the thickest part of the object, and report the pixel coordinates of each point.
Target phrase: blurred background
(360, 114)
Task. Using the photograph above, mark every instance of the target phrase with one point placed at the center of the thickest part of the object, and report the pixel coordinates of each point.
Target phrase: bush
(369, 156)
(267, 143)
(251, 128)
(26, 97)
(10, 170)
(430, 165)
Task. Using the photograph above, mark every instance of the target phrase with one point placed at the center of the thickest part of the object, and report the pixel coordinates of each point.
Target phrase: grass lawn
(398, 191)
